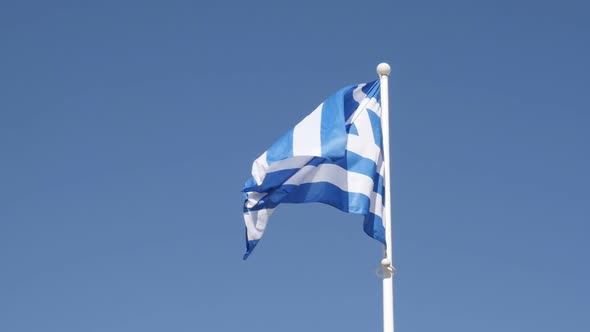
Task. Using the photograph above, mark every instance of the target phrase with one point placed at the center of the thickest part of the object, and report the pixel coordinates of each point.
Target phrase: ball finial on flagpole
(383, 69)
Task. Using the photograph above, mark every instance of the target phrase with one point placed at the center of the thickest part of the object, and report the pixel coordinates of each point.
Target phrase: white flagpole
(384, 70)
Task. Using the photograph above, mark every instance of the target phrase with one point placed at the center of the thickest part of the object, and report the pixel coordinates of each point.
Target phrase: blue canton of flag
(333, 156)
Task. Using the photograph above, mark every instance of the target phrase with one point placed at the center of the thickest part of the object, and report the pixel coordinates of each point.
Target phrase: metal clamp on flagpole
(385, 270)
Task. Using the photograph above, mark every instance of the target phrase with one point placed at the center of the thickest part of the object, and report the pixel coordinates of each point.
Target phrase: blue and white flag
(333, 156)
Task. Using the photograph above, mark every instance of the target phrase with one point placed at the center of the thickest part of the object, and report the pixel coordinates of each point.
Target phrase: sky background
(127, 129)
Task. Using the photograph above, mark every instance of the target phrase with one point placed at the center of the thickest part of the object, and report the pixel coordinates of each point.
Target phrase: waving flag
(333, 156)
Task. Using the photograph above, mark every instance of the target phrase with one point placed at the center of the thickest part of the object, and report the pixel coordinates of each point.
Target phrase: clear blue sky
(128, 127)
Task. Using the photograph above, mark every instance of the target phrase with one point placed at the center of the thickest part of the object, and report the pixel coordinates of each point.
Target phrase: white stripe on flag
(373, 105)
(307, 139)
(377, 204)
(363, 126)
(256, 222)
(363, 147)
(259, 167)
(336, 175)
(291, 163)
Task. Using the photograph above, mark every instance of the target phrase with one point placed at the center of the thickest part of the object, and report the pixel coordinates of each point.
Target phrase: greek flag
(332, 156)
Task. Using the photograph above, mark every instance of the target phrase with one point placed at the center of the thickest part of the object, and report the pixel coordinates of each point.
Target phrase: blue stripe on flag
(282, 149)
(372, 90)
(350, 105)
(276, 178)
(376, 125)
(249, 247)
(358, 164)
(333, 131)
(325, 192)
(373, 227)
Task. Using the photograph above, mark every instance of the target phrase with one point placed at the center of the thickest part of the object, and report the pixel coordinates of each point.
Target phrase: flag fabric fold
(332, 156)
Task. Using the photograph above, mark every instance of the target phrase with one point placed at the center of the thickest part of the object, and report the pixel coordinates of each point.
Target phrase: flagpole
(384, 70)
